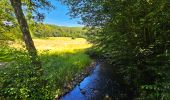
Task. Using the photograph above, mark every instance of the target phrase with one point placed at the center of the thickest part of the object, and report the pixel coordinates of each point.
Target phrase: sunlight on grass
(62, 58)
(60, 44)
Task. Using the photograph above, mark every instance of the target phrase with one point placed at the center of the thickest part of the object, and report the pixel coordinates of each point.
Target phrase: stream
(99, 85)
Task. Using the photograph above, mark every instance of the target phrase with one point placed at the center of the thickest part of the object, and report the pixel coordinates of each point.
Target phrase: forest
(39, 30)
(43, 61)
(58, 31)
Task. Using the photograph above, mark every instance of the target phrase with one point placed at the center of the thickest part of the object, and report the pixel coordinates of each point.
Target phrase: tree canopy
(132, 35)
(136, 34)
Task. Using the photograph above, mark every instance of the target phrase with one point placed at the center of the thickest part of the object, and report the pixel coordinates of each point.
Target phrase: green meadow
(61, 57)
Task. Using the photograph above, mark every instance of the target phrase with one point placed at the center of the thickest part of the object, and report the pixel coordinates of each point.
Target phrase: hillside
(48, 30)
(43, 31)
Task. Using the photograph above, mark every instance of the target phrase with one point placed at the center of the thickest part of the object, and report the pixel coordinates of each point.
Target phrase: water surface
(97, 86)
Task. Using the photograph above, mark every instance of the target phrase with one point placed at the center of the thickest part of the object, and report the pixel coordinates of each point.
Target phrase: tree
(31, 6)
(17, 6)
(133, 33)
(24, 76)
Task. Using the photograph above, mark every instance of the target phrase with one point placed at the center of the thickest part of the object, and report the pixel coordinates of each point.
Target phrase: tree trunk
(17, 6)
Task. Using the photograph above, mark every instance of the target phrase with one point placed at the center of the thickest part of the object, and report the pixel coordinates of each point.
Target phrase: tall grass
(60, 68)
(62, 58)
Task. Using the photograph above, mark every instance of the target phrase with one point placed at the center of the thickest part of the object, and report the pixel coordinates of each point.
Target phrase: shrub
(20, 79)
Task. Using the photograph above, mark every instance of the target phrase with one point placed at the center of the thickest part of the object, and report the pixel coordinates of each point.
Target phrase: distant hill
(48, 30)
(42, 31)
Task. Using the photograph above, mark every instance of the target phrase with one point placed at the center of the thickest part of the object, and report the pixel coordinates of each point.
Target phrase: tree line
(47, 30)
(40, 30)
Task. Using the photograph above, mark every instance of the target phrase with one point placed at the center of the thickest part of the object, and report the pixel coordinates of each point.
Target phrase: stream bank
(99, 85)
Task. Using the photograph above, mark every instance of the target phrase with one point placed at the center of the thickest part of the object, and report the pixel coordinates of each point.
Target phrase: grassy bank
(60, 67)
(61, 58)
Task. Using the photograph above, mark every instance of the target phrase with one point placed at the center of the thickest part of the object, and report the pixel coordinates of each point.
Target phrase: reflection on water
(97, 86)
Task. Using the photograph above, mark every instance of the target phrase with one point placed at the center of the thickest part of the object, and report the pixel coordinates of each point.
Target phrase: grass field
(60, 44)
(61, 58)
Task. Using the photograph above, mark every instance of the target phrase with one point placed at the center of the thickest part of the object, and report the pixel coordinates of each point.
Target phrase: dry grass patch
(61, 44)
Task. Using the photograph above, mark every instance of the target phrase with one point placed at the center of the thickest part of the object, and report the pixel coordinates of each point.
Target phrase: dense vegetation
(62, 58)
(134, 36)
(42, 31)
(26, 73)
(47, 30)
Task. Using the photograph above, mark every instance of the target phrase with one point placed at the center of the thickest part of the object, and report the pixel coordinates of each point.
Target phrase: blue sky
(59, 16)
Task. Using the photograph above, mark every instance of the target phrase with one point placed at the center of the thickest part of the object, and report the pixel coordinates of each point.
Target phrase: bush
(20, 80)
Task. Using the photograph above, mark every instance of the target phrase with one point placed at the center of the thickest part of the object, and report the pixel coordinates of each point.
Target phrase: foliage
(5, 17)
(5, 54)
(19, 84)
(133, 34)
(20, 80)
(47, 30)
(43, 31)
(22, 77)
(61, 67)
(9, 28)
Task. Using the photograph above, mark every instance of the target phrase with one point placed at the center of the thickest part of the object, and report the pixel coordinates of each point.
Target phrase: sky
(59, 16)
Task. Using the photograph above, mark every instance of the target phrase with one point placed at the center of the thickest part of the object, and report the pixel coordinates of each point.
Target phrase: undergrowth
(19, 78)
